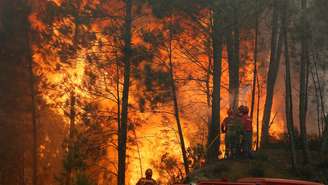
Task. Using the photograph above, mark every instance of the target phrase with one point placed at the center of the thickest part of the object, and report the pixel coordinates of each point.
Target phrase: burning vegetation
(97, 92)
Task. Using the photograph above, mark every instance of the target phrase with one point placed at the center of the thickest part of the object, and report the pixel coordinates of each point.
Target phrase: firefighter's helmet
(149, 172)
(246, 110)
(243, 109)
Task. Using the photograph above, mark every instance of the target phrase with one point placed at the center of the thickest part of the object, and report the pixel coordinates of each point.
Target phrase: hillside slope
(274, 163)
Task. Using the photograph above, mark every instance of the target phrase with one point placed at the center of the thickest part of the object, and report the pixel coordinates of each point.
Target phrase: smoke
(244, 94)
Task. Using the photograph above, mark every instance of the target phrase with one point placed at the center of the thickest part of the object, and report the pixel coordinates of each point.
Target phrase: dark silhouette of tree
(122, 131)
(276, 47)
(255, 61)
(233, 48)
(213, 141)
(288, 87)
(304, 78)
(18, 102)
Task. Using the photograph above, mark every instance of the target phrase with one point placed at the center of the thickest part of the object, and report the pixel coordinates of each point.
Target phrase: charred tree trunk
(317, 100)
(303, 99)
(255, 63)
(320, 97)
(324, 118)
(230, 52)
(235, 78)
(276, 45)
(176, 107)
(208, 89)
(233, 70)
(258, 114)
(208, 46)
(233, 48)
(32, 82)
(122, 137)
(288, 90)
(213, 141)
(22, 159)
(322, 102)
(33, 116)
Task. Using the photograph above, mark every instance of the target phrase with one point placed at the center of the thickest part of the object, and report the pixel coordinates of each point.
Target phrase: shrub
(261, 155)
(307, 172)
(256, 170)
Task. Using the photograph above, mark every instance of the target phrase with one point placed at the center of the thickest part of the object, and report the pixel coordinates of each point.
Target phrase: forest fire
(113, 88)
(157, 136)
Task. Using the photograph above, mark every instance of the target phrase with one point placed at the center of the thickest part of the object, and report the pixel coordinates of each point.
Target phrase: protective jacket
(234, 131)
(247, 123)
(226, 123)
(144, 181)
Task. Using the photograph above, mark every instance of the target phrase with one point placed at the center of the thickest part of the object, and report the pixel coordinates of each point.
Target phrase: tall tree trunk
(176, 107)
(33, 116)
(322, 102)
(317, 100)
(213, 141)
(255, 62)
(304, 65)
(233, 70)
(233, 48)
(324, 118)
(22, 168)
(208, 89)
(258, 114)
(288, 89)
(208, 46)
(122, 137)
(276, 45)
(236, 30)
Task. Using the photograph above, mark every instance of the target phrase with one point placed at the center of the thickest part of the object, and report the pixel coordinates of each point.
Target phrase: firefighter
(148, 180)
(247, 132)
(224, 127)
(232, 128)
(227, 120)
